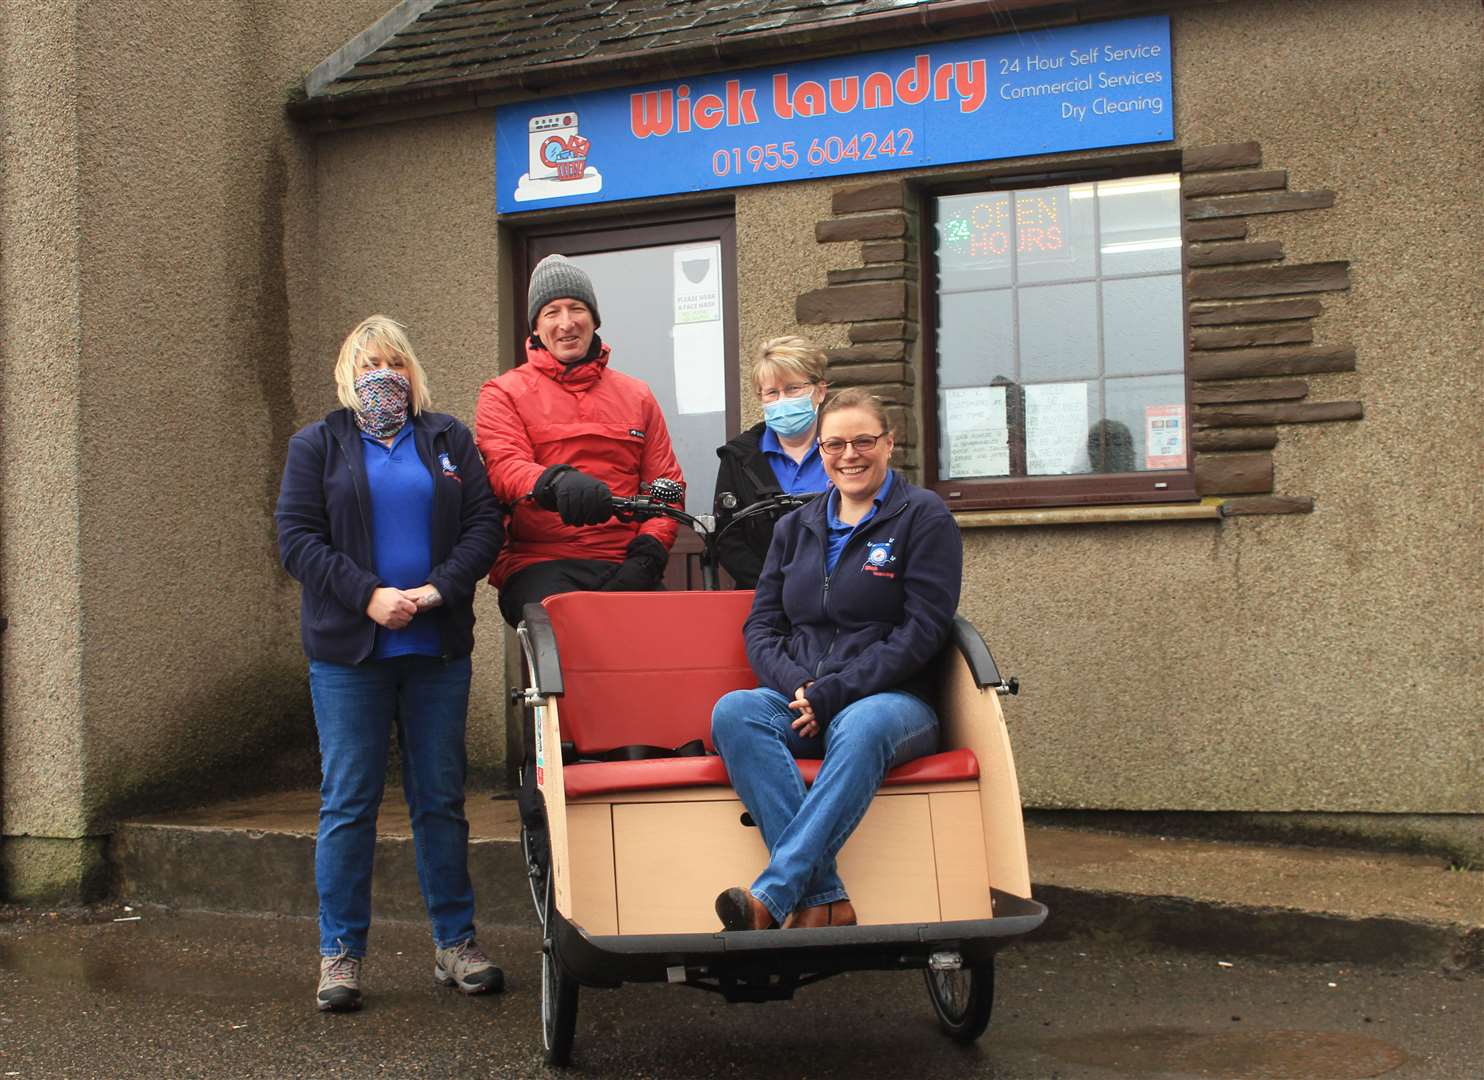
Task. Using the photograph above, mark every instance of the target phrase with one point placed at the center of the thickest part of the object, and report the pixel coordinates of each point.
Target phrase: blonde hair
(855, 397)
(385, 336)
(796, 355)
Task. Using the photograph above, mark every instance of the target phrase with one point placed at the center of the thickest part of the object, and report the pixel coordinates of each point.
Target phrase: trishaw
(643, 830)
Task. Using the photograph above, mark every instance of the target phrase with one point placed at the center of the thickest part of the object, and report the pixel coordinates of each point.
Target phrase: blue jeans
(355, 708)
(805, 829)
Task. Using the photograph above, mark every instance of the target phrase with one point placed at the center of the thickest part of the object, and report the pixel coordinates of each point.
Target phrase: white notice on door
(698, 284)
(700, 367)
(1056, 429)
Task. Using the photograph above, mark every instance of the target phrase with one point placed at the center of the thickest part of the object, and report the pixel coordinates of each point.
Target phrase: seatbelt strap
(636, 752)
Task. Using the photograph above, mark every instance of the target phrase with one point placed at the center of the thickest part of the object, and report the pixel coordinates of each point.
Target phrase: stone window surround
(1249, 316)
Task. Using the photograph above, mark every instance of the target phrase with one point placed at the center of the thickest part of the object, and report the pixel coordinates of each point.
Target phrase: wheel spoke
(963, 999)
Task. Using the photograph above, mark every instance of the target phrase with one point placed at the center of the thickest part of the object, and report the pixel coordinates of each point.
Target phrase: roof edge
(927, 18)
(364, 44)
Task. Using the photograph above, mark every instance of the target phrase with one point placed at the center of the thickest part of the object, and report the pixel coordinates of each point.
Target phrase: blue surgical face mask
(788, 417)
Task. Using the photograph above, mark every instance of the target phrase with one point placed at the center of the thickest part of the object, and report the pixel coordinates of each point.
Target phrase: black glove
(642, 568)
(577, 497)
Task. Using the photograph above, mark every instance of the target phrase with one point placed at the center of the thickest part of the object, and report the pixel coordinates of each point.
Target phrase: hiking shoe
(466, 967)
(339, 983)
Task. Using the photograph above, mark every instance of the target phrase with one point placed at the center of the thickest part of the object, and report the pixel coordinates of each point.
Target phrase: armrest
(538, 641)
(976, 654)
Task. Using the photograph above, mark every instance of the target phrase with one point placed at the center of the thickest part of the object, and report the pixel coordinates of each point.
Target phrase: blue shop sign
(1013, 95)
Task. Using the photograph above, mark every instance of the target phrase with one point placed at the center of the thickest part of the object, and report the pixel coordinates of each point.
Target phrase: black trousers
(535, 583)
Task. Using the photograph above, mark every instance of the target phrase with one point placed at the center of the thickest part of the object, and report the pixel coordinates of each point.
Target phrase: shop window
(1056, 335)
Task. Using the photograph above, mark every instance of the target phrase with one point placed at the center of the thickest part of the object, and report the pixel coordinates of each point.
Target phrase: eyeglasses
(792, 390)
(863, 444)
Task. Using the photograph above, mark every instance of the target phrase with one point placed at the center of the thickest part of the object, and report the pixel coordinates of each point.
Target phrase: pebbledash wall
(155, 211)
(1315, 652)
(181, 258)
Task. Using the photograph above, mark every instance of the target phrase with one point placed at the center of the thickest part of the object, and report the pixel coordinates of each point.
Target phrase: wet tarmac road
(173, 995)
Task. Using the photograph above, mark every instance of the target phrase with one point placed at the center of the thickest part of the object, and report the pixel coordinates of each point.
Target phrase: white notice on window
(700, 367)
(1056, 429)
(698, 284)
(978, 437)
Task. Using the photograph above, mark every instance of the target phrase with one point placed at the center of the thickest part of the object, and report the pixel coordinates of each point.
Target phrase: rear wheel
(534, 838)
(963, 999)
(558, 996)
(536, 849)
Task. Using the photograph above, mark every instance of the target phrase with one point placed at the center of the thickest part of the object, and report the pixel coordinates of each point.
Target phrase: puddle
(96, 964)
(1249, 1055)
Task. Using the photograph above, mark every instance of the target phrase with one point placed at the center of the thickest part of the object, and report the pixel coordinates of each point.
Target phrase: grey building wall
(152, 189)
(42, 740)
(1328, 662)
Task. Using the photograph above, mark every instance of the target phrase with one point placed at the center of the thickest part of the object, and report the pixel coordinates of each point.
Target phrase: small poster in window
(697, 284)
(1164, 436)
(976, 433)
(1055, 429)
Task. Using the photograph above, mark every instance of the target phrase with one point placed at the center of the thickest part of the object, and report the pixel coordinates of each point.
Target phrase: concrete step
(1248, 899)
(1225, 898)
(257, 855)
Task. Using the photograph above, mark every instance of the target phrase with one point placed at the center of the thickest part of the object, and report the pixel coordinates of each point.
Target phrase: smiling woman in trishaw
(860, 721)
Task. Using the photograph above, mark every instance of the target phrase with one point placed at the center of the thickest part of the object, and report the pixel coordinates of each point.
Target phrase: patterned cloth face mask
(383, 393)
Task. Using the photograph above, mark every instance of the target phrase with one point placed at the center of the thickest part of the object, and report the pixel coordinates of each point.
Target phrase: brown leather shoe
(835, 913)
(738, 909)
(807, 918)
(842, 913)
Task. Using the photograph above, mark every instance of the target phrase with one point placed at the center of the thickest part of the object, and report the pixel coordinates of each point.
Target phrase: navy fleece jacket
(324, 532)
(871, 625)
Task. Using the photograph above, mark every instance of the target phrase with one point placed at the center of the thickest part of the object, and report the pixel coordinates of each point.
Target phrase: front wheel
(963, 999)
(558, 996)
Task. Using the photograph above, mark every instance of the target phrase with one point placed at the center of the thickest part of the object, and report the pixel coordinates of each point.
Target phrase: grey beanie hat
(556, 277)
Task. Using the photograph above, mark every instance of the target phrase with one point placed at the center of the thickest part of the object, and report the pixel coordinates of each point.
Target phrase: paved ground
(230, 996)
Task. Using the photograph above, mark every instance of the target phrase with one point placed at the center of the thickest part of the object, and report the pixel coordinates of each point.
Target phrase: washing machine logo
(558, 160)
(568, 156)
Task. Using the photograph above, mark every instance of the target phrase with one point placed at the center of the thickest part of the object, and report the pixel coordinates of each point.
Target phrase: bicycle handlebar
(644, 507)
(659, 501)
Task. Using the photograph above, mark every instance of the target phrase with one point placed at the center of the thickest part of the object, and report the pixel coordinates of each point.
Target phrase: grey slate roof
(426, 44)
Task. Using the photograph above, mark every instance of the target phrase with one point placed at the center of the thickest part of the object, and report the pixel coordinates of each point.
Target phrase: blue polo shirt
(839, 531)
(401, 536)
(794, 477)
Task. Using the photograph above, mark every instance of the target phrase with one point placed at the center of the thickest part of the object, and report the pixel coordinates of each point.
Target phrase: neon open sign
(982, 230)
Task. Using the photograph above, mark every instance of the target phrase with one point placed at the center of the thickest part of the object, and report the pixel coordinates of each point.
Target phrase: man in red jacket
(561, 435)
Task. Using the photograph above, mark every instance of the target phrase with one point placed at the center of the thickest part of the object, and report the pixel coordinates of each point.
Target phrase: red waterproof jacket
(603, 422)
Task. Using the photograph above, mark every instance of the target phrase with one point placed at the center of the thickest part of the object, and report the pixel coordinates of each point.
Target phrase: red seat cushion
(644, 669)
(659, 774)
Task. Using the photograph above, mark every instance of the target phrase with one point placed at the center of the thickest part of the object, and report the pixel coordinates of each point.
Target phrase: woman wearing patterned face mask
(386, 519)
(778, 456)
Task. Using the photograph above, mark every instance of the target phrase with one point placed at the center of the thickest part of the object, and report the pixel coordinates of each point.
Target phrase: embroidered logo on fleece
(637, 433)
(879, 558)
(449, 468)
